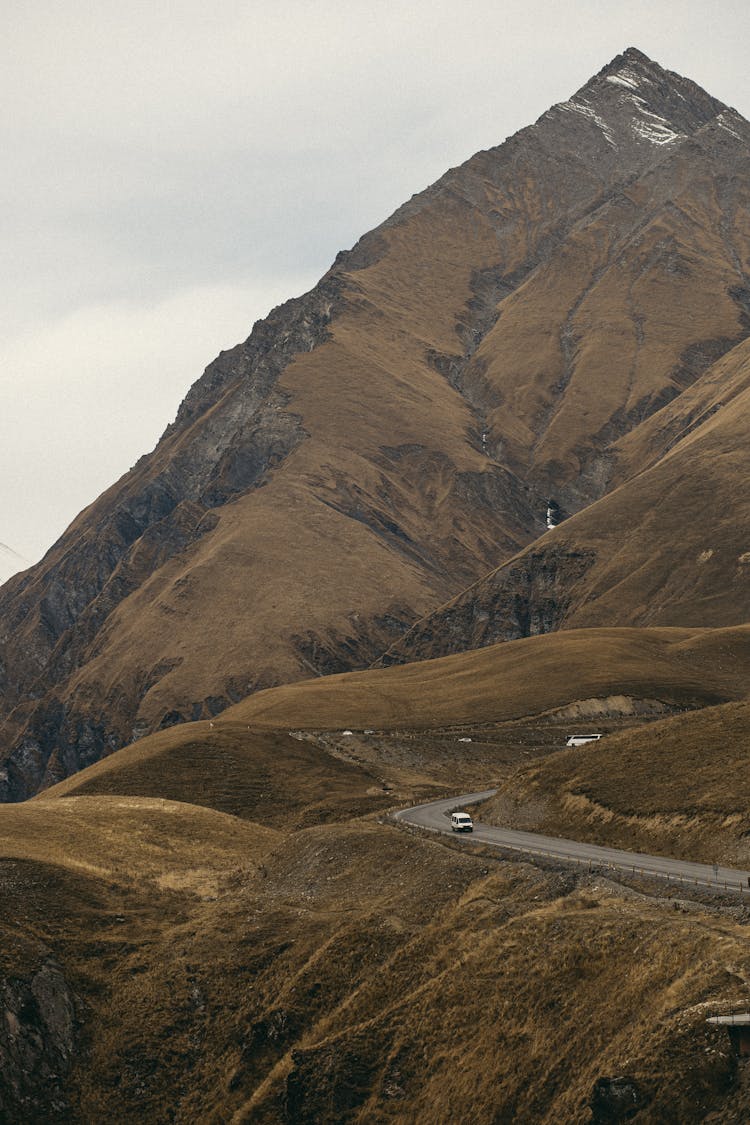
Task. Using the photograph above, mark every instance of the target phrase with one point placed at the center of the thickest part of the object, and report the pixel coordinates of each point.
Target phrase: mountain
(382, 443)
(218, 921)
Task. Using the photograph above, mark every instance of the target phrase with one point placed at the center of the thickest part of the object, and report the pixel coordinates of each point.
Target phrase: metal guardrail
(593, 864)
(629, 869)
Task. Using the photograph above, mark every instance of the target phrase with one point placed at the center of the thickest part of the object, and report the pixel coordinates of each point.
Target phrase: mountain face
(510, 336)
(667, 547)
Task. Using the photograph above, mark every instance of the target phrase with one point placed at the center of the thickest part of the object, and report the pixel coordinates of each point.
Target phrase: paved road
(435, 816)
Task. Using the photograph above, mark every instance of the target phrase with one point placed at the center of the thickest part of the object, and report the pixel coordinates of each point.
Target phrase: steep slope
(380, 443)
(668, 547)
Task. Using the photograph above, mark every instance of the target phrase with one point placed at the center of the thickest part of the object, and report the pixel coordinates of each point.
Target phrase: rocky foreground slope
(294, 961)
(379, 444)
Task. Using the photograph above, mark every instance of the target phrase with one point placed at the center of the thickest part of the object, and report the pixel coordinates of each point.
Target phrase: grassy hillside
(213, 924)
(266, 776)
(525, 677)
(177, 964)
(680, 786)
(676, 785)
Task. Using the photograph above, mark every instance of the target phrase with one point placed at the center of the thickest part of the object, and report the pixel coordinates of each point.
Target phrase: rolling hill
(669, 777)
(678, 786)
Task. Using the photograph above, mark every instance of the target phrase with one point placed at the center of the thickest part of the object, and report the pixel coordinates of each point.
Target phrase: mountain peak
(631, 56)
(634, 72)
(637, 105)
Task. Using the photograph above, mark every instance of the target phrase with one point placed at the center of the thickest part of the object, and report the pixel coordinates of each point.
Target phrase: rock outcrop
(36, 1045)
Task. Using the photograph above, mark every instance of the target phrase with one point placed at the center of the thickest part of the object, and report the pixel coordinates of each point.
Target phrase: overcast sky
(173, 171)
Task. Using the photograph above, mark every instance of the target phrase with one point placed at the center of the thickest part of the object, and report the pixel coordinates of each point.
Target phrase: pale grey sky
(173, 171)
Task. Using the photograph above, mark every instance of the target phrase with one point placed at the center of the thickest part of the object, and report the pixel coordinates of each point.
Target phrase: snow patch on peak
(723, 120)
(653, 127)
(655, 132)
(625, 77)
(578, 105)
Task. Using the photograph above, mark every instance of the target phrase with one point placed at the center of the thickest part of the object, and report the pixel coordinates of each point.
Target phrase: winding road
(435, 817)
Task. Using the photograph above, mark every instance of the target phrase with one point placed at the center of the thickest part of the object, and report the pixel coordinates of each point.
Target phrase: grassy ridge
(264, 776)
(521, 678)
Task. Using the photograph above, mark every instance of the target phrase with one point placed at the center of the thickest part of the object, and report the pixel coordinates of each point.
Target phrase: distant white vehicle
(579, 739)
(464, 740)
(461, 822)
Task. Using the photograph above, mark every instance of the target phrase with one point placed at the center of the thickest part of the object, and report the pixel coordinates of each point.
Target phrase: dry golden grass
(133, 838)
(351, 971)
(521, 678)
(267, 776)
(502, 1010)
(242, 763)
(357, 973)
(330, 969)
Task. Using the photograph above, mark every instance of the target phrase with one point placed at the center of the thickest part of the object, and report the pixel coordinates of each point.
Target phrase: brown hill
(362, 741)
(341, 746)
(205, 926)
(678, 667)
(266, 776)
(366, 740)
(382, 442)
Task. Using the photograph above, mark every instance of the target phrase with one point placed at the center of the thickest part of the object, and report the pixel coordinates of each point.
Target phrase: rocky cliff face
(379, 444)
(530, 595)
(37, 1040)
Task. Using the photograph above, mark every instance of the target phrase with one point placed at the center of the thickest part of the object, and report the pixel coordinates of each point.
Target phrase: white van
(461, 822)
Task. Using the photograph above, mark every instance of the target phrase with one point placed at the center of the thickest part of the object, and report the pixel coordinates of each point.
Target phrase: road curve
(435, 817)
